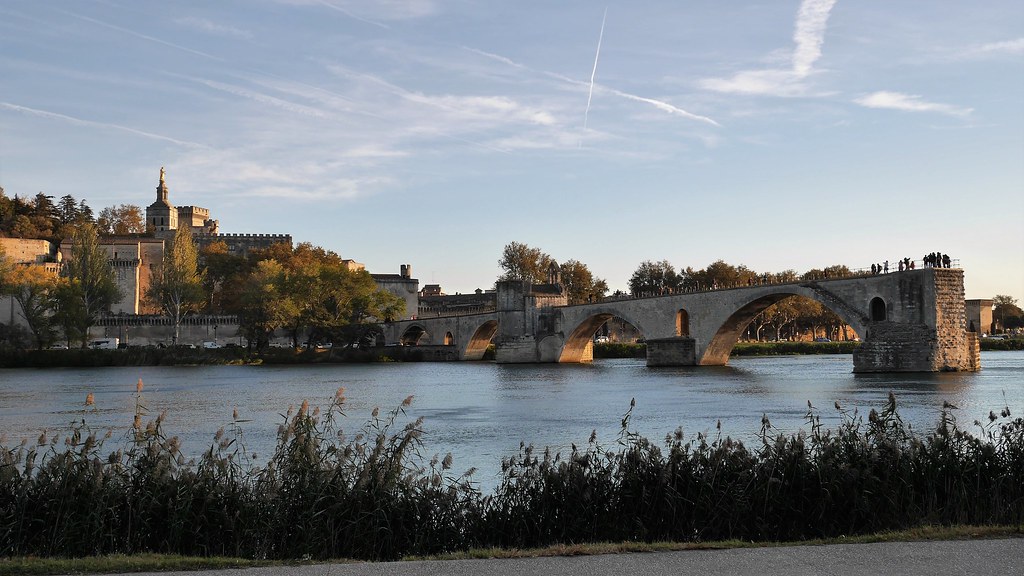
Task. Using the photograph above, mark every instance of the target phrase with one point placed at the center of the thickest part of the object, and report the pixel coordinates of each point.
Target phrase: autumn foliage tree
(308, 290)
(177, 288)
(121, 219)
(34, 288)
(91, 288)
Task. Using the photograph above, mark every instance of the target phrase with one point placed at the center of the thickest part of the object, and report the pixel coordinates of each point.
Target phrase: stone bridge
(909, 321)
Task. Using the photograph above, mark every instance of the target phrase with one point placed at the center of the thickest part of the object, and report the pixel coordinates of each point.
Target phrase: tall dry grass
(323, 493)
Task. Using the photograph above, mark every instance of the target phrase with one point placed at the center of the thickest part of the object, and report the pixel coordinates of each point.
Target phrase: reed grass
(326, 494)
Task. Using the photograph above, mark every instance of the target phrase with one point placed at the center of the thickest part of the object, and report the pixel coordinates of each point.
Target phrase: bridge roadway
(909, 321)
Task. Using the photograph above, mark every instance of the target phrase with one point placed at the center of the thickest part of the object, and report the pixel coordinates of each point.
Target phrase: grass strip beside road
(166, 563)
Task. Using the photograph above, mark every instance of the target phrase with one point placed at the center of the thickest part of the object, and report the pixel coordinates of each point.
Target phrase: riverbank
(188, 356)
(185, 356)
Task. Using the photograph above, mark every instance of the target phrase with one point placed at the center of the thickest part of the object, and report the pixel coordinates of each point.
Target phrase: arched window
(449, 340)
(682, 323)
(877, 309)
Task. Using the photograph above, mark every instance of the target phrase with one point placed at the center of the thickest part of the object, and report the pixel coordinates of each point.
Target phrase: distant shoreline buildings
(136, 259)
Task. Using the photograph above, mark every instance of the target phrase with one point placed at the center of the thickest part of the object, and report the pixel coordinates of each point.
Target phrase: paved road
(974, 558)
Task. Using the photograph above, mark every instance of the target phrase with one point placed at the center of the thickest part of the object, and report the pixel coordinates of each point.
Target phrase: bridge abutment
(677, 351)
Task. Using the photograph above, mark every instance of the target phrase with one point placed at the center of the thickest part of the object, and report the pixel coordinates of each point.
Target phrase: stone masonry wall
(679, 351)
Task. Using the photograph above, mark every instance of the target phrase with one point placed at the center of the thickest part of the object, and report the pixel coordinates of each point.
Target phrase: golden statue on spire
(161, 175)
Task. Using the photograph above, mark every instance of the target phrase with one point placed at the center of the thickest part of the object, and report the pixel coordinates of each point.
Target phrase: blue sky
(775, 134)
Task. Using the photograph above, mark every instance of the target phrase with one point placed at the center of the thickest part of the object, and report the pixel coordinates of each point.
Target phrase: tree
(315, 292)
(351, 306)
(834, 271)
(1006, 313)
(5, 264)
(522, 262)
(92, 283)
(67, 209)
(223, 277)
(654, 278)
(121, 219)
(34, 289)
(85, 213)
(259, 303)
(178, 288)
(580, 284)
(719, 274)
(69, 312)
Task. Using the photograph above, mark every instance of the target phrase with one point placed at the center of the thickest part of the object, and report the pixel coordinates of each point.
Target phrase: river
(482, 411)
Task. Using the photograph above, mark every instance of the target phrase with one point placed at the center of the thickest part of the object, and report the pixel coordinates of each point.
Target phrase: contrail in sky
(593, 73)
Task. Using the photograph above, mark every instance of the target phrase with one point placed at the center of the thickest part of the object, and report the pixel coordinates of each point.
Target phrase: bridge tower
(527, 330)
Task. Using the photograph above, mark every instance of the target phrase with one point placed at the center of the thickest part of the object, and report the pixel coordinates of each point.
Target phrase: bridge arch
(477, 344)
(576, 347)
(414, 335)
(728, 332)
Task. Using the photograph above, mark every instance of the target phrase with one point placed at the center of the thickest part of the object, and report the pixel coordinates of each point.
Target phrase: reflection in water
(481, 411)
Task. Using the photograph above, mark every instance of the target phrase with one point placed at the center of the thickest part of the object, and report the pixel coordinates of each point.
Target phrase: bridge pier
(919, 326)
(677, 351)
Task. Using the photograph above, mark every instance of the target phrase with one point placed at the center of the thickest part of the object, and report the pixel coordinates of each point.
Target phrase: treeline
(324, 494)
(44, 217)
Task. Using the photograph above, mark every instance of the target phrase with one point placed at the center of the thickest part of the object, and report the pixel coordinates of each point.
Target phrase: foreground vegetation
(166, 562)
(327, 494)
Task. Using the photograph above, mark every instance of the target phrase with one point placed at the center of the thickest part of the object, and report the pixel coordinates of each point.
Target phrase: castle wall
(156, 330)
(241, 244)
(24, 251)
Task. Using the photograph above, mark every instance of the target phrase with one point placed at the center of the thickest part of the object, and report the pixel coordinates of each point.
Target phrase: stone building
(136, 258)
(434, 302)
(402, 285)
(979, 316)
(163, 219)
(28, 251)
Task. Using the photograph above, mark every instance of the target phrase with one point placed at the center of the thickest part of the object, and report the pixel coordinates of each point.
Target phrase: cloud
(374, 12)
(809, 34)
(143, 36)
(80, 122)
(204, 25)
(1004, 47)
(587, 86)
(262, 98)
(808, 38)
(909, 103)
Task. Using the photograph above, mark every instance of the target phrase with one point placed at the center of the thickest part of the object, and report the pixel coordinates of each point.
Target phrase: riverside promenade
(974, 557)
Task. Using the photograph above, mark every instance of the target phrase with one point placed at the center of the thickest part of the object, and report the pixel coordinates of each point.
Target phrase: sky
(774, 134)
